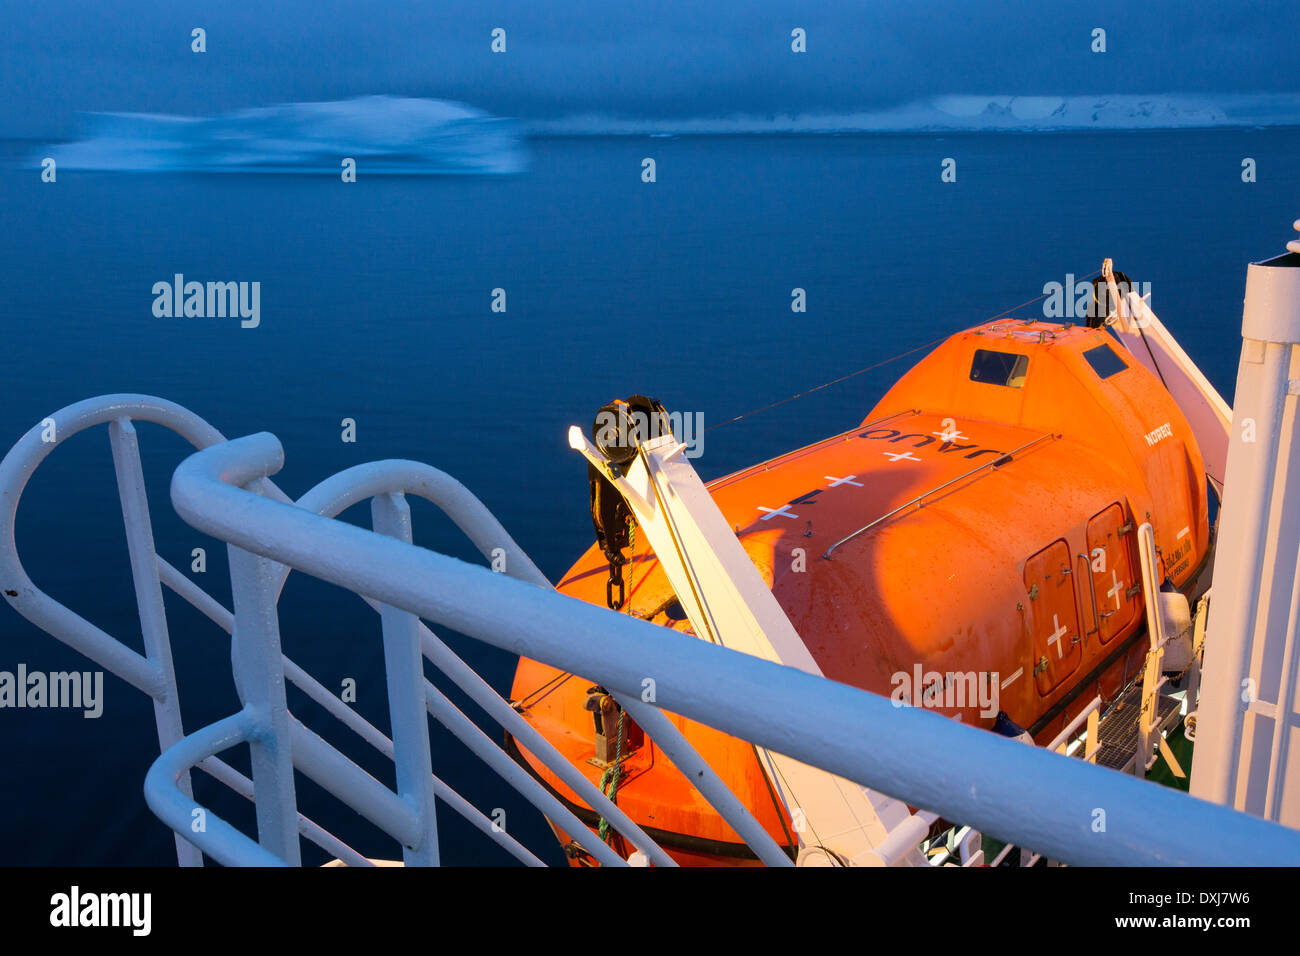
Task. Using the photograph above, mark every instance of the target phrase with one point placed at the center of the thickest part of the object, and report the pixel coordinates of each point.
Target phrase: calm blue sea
(376, 306)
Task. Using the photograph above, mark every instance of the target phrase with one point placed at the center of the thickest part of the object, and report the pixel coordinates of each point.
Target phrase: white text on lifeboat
(1155, 435)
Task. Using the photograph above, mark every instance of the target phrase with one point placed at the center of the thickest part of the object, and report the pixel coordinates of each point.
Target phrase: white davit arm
(728, 602)
(1155, 348)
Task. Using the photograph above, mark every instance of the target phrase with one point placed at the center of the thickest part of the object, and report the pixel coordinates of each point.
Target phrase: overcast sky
(658, 58)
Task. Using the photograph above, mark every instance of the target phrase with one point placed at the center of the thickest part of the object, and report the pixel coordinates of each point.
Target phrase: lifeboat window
(1104, 361)
(999, 368)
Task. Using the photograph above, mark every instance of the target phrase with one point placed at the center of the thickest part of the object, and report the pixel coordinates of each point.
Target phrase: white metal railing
(1022, 794)
(356, 484)
(152, 673)
(1028, 795)
(385, 484)
(391, 514)
(1067, 739)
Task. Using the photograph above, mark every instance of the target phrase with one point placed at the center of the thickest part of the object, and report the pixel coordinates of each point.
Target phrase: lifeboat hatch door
(1110, 569)
(1054, 617)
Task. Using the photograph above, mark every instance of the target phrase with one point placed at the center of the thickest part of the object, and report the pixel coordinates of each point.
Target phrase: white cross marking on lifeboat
(1056, 637)
(1114, 591)
(843, 481)
(781, 512)
(950, 435)
(900, 456)
(1009, 680)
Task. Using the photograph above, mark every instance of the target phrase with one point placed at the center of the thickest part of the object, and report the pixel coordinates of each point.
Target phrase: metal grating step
(1117, 732)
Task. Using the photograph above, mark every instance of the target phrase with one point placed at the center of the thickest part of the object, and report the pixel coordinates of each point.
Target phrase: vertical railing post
(1194, 669)
(404, 666)
(1149, 708)
(149, 600)
(259, 676)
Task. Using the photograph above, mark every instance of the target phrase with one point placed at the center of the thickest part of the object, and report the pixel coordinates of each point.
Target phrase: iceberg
(389, 135)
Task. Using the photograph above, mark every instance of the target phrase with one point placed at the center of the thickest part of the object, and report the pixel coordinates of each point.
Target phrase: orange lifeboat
(981, 520)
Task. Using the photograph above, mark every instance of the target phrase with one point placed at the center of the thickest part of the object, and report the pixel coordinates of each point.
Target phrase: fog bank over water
(975, 114)
(678, 59)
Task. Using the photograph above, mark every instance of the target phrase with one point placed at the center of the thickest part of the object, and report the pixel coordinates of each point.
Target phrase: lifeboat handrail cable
(995, 463)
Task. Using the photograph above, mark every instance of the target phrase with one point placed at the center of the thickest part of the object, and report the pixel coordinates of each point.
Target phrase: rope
(609, 779)
(895, 358)
(561, 678)
(817, 388)
(776, 804)
(1154, 363)
(631, 563)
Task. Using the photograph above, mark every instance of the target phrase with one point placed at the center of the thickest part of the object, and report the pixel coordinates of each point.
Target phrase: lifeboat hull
(969, 547)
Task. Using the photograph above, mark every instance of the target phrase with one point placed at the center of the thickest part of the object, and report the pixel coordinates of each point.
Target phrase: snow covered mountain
(977, 113)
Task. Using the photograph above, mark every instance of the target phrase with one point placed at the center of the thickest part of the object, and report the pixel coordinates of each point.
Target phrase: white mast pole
(1247, 714)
